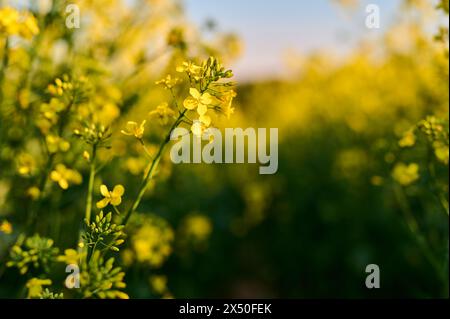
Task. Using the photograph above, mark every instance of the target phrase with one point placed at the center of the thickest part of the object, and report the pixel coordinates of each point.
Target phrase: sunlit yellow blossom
(24, 99)
(71, 256)
(197, 226)
(29, 26)
(134, 129)
(106, 113)
(6, 227)
(56, 144)
(86, 156)
(163, 112)
(191, 69)
(198, 128)
(14, 22)
(227, 101)
(64, 176)
(33, 192)
(406, 174)
(135, 165)
(34, 286)
(60, 86)
(158, 284)
(26, 164)
(201, 125)
(114, 198)
(9, 21)
(168, 82)
(442, 152)
(198, 101)
(152, 242)
(408, 140)
(50, 110)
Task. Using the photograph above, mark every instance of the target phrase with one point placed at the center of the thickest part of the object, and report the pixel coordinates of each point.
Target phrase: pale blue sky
(269, 28)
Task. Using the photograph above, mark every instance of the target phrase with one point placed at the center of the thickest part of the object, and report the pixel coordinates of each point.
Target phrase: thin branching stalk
(148, 177)
(92, 171)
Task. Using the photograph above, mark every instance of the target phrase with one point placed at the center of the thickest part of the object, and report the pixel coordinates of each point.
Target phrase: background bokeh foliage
(340, 200)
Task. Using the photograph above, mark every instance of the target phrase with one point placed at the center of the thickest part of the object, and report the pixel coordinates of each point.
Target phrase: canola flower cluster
(82, 147)
(61, 109)
(17, 23)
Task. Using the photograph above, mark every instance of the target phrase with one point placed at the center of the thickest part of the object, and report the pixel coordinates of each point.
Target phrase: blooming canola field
(343, 164)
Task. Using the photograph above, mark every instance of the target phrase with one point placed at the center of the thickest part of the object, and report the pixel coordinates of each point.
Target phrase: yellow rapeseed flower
(26, 164)
(71, 256)
(163, 112)
(198, 101)
(6, 227)
(199, 126)
(56, 143)
(198, 227)
(34, 286)
(152, 244)
(227, 101)
(442, 152)
(33, 192)
(168, 82)
(114, 198)
(134, 129)
(191, 69)
(63, 176)
(408, 140)
(16, 23)
(29, 26)
(158, 283)
(406, 174)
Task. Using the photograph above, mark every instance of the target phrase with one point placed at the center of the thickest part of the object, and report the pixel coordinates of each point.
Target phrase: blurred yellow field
(137, 162)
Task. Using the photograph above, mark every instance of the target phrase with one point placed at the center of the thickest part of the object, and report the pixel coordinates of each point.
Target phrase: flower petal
(195, 93)
(206, 120)
(104, 191)
(131, 126)
(126, 133)
(206, 98)
(118, 190)
(55, 176)
(115, 201)
(103, 203)
(190, 103)
(202, 109)
(63, 183)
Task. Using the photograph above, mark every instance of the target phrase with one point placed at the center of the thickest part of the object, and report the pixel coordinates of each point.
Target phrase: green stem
(148, 177)
(4, 65)
(90, 185)
(116, 210)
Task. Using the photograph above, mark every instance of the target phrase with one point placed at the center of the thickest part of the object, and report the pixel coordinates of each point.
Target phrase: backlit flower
(406, 174)
(199, 101)
(114, 198)
(134, 129)
(163, 113)
(6, 227)
(64, 176)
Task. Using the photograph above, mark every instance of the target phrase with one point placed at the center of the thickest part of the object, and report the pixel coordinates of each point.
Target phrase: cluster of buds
(94, 134)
